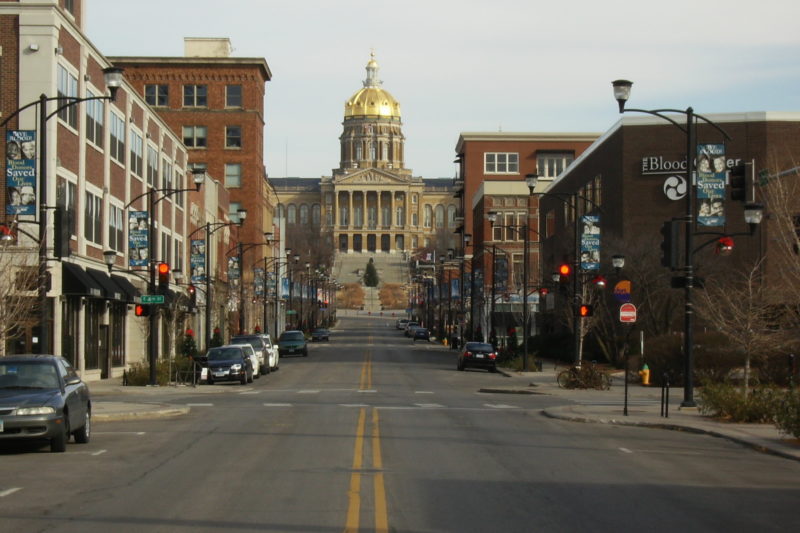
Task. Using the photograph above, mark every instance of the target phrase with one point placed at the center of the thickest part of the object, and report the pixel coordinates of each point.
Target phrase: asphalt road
(372, 432)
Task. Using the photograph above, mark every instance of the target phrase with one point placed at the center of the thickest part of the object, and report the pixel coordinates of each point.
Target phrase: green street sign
(152, 298)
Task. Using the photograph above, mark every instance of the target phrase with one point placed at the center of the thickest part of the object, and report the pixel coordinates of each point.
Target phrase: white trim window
(156, 95)
(137, 153)
(116, 229)
(117, 138)
(152, 166)
(233, 136)
(92, 229)
(501, 163)
(94, 120)
(233, 175)
(166, 174)
(195, 136)
(551, 164)
(67, 90)
(233, 96)
(195, 95)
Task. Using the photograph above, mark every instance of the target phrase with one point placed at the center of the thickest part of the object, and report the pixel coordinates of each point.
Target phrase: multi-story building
(492, 171)
(215, 103)
(372, 202)
(103, 161)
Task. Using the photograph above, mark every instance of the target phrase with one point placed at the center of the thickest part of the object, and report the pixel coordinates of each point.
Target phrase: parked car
(229, 363)
(421, 333)
(408, 328)
(320, 334)
(478, 354)
(42, 397)
(257, 342)
(272, 351)
(292, 342)
(401, 323)
(254, 362)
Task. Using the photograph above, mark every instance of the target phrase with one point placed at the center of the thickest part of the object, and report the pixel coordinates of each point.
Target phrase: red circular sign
(627, 313)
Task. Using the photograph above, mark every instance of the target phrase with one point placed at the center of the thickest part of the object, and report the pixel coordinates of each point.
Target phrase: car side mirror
(72, 380)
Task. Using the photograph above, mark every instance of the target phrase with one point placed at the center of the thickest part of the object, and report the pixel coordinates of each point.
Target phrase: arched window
(315, 214)
(440, 216)
(415, 219)
(304, 214)
(428, 216)
(291, 214)
(281, 211)
(451, 216)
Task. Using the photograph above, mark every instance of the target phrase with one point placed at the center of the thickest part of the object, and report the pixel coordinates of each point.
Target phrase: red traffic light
(585, 310)
(543, 291)
(725, 245)
(564, 269)
(163, 274)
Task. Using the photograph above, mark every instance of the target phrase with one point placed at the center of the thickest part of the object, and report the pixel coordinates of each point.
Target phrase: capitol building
(372, 202)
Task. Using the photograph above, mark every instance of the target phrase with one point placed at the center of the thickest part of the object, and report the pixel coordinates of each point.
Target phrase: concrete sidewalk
(644, 410)
(111, 401)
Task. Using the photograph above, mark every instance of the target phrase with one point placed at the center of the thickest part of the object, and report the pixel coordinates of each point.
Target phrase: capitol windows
(304, 214)
(428, 216)
(315, 214)
(281, 211)
(439, 216)
(359, 152)
(414, 219)
(358, 216)
(414, 242)
(451, 216)
(401, 216)
(500, 163)
(551, 164)
(328, 198)
(291, 214)
(414, 199)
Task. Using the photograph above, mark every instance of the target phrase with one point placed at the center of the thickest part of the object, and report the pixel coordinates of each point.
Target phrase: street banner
(138, 235)
(501, 275)
(590, 242)
(258, 281)
(284, 288)
(197, 261)
(21, 172)
(233, 268)
(270, 284)
(711, 178)
(455, 289)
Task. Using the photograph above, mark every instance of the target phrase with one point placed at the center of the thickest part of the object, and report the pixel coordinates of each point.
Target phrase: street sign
(622, 291)
(152, 298)
(627, 313)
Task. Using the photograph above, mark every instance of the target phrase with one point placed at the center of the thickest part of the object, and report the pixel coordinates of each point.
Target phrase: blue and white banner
(284, 288)
(455, 289)
(590, 242)
(711, 176)
(258, 281)
(21, 172)
(233, 268)
(138, 235)
(197, 261)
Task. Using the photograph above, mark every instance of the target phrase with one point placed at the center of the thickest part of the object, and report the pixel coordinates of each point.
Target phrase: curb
(551, 413)
(163, 412)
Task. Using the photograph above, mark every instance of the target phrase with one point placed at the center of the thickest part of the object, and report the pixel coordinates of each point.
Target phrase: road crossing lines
(9, 492)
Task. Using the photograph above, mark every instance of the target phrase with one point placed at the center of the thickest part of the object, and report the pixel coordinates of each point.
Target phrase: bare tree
(19, 278)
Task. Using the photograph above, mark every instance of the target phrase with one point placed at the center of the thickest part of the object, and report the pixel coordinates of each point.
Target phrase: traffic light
(585, 310)
(738, 182)
(564, 270)
(142, 310)
(669, 244)
(193, 296)
(163, 275)
(61, 232)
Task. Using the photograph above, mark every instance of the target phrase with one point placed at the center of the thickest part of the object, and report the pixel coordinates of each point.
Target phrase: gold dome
(372, 100)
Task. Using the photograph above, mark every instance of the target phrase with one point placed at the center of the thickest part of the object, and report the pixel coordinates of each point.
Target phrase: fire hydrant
(645, 374)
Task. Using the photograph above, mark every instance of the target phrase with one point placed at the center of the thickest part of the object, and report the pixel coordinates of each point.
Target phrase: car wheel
(305, 353)
(210, 381)
(460, 366)
(493, 369)
(266, 368)
(243, 379)
(249, 377)
(83, 434)
(59, 442)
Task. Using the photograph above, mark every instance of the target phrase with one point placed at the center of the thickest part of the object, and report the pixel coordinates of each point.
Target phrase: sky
(475, 66)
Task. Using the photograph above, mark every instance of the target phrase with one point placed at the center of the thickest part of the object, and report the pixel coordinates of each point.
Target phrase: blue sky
(455, 66)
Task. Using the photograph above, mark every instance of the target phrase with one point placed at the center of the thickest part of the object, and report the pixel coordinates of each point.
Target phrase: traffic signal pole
(152, 340)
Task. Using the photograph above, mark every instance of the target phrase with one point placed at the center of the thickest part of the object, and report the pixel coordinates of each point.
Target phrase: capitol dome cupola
(372, 136)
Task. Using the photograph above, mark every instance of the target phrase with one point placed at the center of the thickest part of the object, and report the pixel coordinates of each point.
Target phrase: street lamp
(112, 76)
(622, 92)
(210, 228)
(166, 192)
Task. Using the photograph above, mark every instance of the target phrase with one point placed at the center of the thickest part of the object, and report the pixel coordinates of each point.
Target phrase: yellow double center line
(354, 492)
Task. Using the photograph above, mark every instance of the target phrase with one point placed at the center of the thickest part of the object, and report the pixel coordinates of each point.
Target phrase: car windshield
(292, 336)
(252, 340)
(224, 354)
(28, 375)
(478, 347)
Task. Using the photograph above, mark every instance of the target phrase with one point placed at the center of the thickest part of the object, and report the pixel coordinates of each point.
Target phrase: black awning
(130, 291)
(76, 282)
(110, 289)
